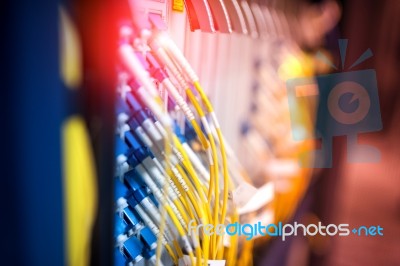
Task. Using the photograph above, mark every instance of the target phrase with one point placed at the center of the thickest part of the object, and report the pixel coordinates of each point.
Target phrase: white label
(243, 193)
(185, 261)
(263, 196)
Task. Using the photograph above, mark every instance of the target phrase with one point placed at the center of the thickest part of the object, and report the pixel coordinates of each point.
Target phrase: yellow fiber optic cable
(200, 112)
(171, 253)
(213, 161)
(176, 55)
(203, 216)
(214, 166)
(168, 208)
(222, 148)
(199, 188)
(191, 196)
(214, 171)
(197, 247)
(189, 168)
(171, 51)
(176, 72)
(195, 197)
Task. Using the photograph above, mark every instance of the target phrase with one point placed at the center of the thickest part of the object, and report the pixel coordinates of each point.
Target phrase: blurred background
(59, 80)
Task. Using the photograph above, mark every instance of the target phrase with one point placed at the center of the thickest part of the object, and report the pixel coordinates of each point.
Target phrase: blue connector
(120, 226)
(132, 161)
(177, 131)
(148, 253)
(190, 134)
(120, 147)
(119, 258)
(133, 180)
(130, 217)
(148, 238)
(153, 199)
(132, 249)
(131, 99)
(121, 106)
(121, 191)
(133, 123)
(150, 114)
(145, 234)
(139, 194)
(139, 150)
(136, 107)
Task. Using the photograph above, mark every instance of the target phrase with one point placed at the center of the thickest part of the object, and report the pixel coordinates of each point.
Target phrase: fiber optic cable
(148, 221)
(174, 191)
(174, 220)
(181, 165)
(177, 55)
(129, 60)
(165, 204)
(176, 173)
(162, 77)
(187, 165)
(146, 177)
(213, 161)
(150, 95)
(181, 208)
(168, 209)
(122, 204)
(195, 179)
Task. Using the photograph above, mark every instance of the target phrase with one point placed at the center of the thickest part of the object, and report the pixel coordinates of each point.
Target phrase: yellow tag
(178, 5)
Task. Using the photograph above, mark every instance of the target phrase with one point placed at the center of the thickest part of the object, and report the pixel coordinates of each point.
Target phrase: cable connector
(132, 249)
(142, 232)
(121, 193)
(148, 238)
(121, 228)
(140, 151)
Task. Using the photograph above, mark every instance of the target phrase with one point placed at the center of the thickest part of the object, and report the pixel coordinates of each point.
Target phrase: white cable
(153, 227)
(135, 67)
(179, 57)
(163, 56)
(179, 99)
(153, 187)
(197, 164)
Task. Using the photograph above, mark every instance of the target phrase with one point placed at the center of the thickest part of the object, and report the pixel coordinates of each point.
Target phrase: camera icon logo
(359, 96)
(348, 106)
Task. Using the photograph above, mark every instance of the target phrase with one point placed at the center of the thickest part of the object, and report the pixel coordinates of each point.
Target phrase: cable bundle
(169, 174)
